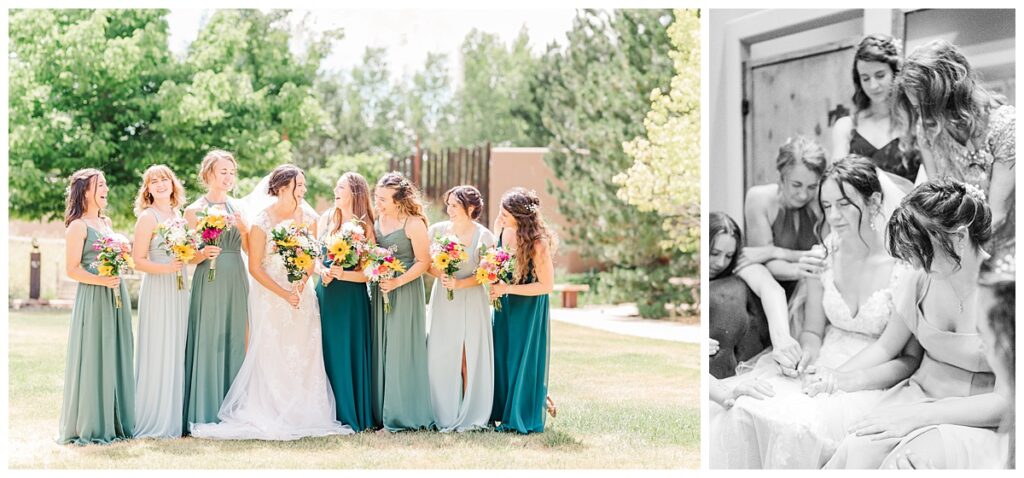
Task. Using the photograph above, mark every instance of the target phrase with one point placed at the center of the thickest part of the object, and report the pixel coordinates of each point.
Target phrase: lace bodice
(272, 262)
(872, 314)
(966, 163)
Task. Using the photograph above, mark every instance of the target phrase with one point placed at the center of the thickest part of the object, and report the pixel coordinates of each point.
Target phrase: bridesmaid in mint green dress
(520, 329)
(345, 311)
(401, 387)
(99, 389)
(163, 310)
(218, 310)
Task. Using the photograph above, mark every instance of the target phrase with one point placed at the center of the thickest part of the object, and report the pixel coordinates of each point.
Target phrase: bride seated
(845, 311)
(281, 391)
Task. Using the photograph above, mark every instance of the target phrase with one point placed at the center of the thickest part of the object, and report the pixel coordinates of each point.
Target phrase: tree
(99, 88)
(495, 83)
(591, 97)
(665, 175)
(429, 109)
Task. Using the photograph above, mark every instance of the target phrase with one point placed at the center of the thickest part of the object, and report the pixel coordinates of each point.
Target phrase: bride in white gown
(281, 391)
(844, 312)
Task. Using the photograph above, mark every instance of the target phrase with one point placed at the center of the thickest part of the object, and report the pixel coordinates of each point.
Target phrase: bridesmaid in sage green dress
(521, 334)
(99, 389)
(345, 311)
(402, 390)
(218, 310)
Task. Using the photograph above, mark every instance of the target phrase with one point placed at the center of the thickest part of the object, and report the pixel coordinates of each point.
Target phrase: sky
(407, 34)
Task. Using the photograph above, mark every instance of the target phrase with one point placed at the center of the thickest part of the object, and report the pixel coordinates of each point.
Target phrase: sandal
(549, 405)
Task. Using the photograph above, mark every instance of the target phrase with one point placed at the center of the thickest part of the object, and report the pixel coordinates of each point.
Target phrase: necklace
(960, 300)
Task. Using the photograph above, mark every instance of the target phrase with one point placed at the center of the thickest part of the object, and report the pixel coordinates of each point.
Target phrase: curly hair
(935, 210)
(467, 196)
(407, 196)
(158, 171)
(524, 206)
(74, 199)
(361, 208)
(948, 92)
(878, 48)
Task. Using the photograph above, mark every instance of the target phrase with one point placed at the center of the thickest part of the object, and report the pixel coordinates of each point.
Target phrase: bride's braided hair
(524, 206)
(407, 196)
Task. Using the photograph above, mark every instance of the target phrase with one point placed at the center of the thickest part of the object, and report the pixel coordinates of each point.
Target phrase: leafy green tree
(665, 175)
(591, 96)
(429, 107)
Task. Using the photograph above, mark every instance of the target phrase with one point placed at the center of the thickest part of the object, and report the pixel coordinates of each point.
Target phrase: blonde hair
(210, 160)
(158, 171)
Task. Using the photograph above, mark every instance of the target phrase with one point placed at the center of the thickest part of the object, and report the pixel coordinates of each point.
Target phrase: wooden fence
(435, 172)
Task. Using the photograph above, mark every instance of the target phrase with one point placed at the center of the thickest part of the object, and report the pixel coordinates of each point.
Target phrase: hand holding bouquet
(213, 221)
(347, 247)
(447, 253)
(181, 244)
(115, 256)
(496, 265)
(298, 249)
(382, 265)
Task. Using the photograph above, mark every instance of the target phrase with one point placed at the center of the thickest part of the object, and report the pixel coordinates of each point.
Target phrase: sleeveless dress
(401, 386)
(345, 324)
(281, 391)
(522, 348)
(792, 429)
(794, 229)
(464, 322)
(99, 390)
(954, 365)
(217, 316)
(160, 369)
(888, 158)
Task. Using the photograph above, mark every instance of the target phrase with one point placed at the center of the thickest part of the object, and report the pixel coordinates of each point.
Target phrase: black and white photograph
(861, 244)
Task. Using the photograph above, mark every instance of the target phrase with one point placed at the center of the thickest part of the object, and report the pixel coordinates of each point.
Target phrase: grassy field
(623, 402)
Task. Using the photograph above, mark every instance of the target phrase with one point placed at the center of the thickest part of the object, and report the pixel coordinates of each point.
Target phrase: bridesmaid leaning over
(402, 392)
(163, 309)
(218, 309)
(99, 390)
(345, 310)
(521, 334)
(460, 351)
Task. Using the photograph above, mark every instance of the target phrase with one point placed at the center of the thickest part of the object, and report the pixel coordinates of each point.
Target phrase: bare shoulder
(76, 228)
(843, 125)
(762, 196)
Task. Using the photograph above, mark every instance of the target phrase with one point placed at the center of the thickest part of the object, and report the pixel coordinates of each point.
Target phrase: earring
(872, 225)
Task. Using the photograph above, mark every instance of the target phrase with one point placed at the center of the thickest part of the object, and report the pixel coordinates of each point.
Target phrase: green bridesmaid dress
(345, 326)
(217, 317)
(99, 381)
(521, 351)
(401, 388)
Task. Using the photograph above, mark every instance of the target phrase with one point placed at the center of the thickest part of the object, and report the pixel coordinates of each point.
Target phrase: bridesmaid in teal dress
(521, 334)
(345, 310)
(99, 390)
(401, 387)
(163, 309)
(218, 310)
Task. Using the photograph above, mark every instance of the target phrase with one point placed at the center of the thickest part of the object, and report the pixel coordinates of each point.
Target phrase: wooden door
(800, 93)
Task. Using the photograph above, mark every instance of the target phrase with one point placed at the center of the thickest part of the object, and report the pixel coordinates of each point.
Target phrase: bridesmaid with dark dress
(345, 310)
(522, 338)
(870, 131)
(401, 385)
(781, 217)
(99, 386)
(218, 309)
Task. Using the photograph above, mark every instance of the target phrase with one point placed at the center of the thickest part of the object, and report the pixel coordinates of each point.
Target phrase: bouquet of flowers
(382, 265)
(179, 242)
(447, 254)
(213, 221)
(347, 247)
(297, 247)
(496, 265)
(115, 256)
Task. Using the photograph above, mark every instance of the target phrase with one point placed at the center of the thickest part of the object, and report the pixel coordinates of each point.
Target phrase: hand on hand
(326, 276)
(211, 252)
(712, 346)
(754, 387)
(111, 282)
(820, 380)
(498, 290)
(787, 353)
(337, 272)
(389, 285)
(448, 282)
(888, 422)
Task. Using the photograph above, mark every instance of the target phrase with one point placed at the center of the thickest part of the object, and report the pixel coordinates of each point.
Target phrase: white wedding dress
(281, 391)
(791, 429)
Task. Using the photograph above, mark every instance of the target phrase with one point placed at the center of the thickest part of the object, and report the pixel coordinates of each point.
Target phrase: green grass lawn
(623, 402)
